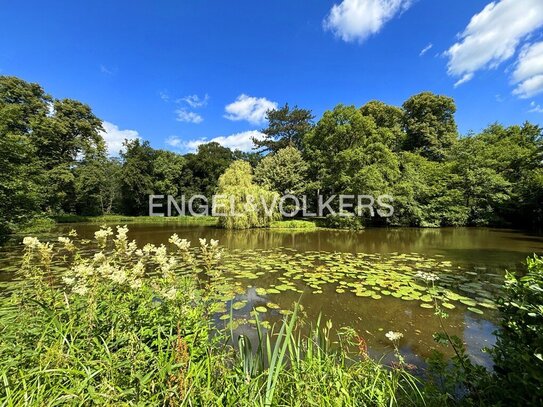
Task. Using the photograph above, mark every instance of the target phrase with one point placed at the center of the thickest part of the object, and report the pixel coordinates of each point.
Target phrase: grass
(36, 225)
(293, 224)
(123, 219)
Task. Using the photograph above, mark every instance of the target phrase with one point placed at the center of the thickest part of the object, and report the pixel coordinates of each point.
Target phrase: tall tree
(206, 166)
(137, 177)
(286, 127)
(389, 121)
(429, 124)
(284, 171)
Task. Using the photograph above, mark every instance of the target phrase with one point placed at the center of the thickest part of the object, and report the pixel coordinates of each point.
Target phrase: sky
(180, 73)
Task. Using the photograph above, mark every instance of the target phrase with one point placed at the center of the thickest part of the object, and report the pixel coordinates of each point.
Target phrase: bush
(343, 221)
(518, 354)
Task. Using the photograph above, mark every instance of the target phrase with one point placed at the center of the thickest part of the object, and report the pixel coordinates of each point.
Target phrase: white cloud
(115, 137)
(164, 96)
(493, 35)
(426, 49)
(239, 141)
(195, 101)
(356, 20)
(528, 74)
(107, 71)
(189, 117)
(466, 78)
(535, 108)
(249, 108)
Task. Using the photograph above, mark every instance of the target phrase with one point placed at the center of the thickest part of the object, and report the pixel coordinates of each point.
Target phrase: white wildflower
(102, 235)
(81, 290)
(99, 257)
(171, 294)
(31, 242)
(68, 244)
(72, 233)
(430, 277)
(394, 336)
(119, 276)
(68, 280)
(182, 244)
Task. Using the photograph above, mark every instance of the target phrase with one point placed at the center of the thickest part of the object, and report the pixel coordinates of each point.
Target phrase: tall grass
(132, 326)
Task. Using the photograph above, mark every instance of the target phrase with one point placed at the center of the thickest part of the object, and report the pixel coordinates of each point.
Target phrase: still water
(366, 279)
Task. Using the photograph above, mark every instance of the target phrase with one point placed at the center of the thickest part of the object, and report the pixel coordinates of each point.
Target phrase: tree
(389, 121)
(341, 129)
(206, 166)
(427, 194)
(284, 171)
(137, 177)
(70, 131)
(286, 127)
(483, 187)
(429, 124)
(168, 170)
(97, 186)
(245, 204)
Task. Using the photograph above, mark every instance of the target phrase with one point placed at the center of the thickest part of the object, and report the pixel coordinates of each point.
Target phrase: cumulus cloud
(183, 115)
(249, 108)
(196, 101)
(239, 141)
(356, 20)
(528, 74)
(115, 137)
(426, 49)
(492, 36)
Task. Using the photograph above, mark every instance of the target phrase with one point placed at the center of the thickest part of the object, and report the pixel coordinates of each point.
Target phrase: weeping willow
(240, 203)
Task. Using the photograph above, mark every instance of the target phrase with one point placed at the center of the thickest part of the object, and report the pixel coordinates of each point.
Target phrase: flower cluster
(210, 252)
(394, 336)
(102, 235)
(430, 277)
(67, 242)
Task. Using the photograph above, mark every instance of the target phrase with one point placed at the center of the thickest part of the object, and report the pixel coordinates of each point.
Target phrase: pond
(371, 280)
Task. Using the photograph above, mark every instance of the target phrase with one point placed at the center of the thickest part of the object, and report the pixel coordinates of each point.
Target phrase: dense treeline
(54, 160)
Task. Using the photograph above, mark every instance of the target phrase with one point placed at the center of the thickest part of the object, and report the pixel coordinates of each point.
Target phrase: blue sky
(180, 72)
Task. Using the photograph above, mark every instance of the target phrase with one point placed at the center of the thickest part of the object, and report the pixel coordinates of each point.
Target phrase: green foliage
(518, 354)
(429, 124)
(286, 128)
(343, 221)
(284, 171)
(292, 224)
(244, 204)
(116, 219)
(54, 162)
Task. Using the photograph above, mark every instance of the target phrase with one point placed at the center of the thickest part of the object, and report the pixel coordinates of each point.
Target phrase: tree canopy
(54, 161)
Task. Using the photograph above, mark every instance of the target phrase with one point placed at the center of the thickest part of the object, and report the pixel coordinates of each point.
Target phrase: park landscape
(438, 302)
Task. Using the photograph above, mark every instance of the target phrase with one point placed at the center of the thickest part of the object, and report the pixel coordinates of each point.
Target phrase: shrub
(518, 352)
(343, 221)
